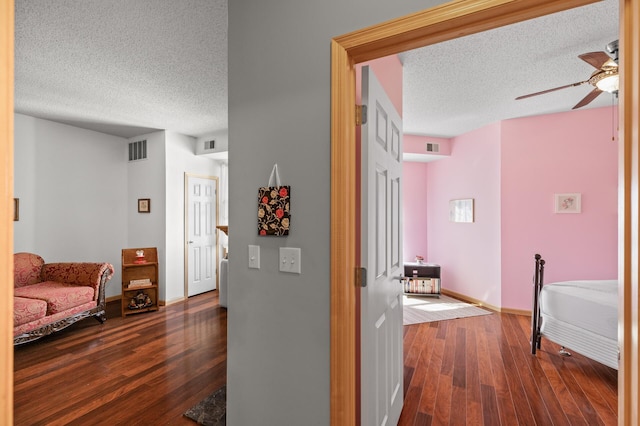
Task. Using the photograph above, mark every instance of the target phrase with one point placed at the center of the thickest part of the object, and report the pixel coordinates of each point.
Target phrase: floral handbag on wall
(274, 217)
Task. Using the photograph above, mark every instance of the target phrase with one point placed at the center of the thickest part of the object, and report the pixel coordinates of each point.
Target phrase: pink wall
(469, 253)
(414, 210)
(414, 192)
(558, 153)
(512, 169)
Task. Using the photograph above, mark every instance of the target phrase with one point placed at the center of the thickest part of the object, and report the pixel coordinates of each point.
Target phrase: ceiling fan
(604, 79)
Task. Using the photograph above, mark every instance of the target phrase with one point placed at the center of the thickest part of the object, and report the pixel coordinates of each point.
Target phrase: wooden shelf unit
(134, 269)
(421, 279)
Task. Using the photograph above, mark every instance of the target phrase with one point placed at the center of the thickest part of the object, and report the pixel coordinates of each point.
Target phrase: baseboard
(172, 302)
(478, 302)
(516, 312)
(446, 292)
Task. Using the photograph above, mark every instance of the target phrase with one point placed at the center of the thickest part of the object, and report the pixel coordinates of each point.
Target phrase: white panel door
(202, 237)
(381, 320)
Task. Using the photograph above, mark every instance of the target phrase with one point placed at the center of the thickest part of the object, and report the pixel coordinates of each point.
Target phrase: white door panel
(201, 234)
(381, 316)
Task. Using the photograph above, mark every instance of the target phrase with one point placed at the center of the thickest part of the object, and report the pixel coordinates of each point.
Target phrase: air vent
(433, 147)
(138, 150)
(209, 144)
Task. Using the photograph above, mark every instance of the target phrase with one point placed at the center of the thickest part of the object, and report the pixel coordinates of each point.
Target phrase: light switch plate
(289, 260)
(254, 257)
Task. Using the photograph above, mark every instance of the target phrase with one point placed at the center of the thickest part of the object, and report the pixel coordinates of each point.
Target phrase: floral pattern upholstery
(27, 310)
(26, 269)
(49, 319)
(51, 296)
(79, 274)
(58, 296)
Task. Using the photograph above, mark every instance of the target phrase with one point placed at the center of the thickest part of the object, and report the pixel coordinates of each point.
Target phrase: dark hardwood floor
(479, 371)
(150, 368)
(145, 369)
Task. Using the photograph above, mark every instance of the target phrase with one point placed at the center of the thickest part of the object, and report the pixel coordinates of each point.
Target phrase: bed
(580, 315)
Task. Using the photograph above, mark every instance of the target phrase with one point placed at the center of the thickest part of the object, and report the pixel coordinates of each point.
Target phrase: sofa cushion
(52, 319)
(27, 310)
(59, 296)
(26, 269)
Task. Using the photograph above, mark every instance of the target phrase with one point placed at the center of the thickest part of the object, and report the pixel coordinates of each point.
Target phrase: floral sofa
(51, 296)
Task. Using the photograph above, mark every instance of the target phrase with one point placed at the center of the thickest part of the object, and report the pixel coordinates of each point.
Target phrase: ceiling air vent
(433, 147)
(138, 150)
(209, 144)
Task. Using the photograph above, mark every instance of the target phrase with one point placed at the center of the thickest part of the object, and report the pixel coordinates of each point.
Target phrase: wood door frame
(188, 175)
(6, 211)
(438, 24)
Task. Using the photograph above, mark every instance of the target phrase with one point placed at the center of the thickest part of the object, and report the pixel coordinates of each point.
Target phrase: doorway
(443, 23)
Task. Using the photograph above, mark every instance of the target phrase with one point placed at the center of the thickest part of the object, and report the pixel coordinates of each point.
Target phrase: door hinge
(361, 277)
(361, 115)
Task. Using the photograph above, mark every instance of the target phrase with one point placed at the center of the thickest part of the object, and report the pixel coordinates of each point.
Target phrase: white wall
(71, 185)
(279, 111)
(146, 180)
(79, 197)
(180, 159)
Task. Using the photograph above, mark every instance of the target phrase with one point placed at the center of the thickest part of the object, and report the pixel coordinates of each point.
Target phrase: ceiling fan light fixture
(608, 82)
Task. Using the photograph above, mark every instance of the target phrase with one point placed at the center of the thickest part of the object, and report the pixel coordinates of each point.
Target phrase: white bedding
(582, 315)
(592, 305)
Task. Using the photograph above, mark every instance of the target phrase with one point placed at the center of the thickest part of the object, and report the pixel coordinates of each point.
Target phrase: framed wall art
(461, 210)
(144, 205)
(568, 203)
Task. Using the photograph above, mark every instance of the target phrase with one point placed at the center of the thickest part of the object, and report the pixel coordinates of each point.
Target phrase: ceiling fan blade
(587, 99)
(551, 90)
(597, 59)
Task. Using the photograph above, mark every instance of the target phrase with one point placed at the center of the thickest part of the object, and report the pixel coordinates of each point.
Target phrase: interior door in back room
(201, 215)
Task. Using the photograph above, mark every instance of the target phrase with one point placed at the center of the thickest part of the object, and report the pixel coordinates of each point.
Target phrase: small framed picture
(567, 203)
(16, 209)
(144, 205)
(461, 210)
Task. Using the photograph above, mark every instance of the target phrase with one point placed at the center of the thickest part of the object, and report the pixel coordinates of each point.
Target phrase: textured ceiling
(127, 67)
(123, 67)
(454, 87)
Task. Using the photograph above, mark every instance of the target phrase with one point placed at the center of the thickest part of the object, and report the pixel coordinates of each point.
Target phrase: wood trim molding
(441, 23)
(343, 238)
(479, 302)
(516, 312)
(435, 25)
(6, 211)
(628, 208)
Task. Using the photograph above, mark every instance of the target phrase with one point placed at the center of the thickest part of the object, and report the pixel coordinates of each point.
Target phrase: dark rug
(211, 411)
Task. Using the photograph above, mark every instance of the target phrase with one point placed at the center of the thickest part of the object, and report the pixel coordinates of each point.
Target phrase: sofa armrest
(79, 273)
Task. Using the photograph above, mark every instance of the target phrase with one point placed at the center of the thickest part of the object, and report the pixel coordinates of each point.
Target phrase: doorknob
(189, 242)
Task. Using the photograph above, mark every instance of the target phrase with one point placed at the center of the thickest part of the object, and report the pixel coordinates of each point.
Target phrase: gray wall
(279, 111)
